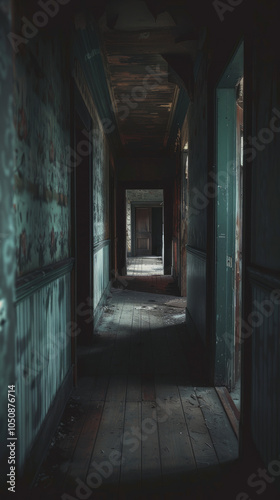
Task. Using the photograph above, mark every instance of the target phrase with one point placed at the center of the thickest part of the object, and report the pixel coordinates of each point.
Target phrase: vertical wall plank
(265, 374)
(43, 356)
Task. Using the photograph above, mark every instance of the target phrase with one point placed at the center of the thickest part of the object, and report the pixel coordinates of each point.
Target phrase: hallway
(139, 176)
(140, 410)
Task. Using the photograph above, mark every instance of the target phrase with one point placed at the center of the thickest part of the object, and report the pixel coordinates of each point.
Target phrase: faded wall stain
(42, 180)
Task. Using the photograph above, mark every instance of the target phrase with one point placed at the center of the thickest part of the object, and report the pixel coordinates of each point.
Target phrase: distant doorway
(144, 231)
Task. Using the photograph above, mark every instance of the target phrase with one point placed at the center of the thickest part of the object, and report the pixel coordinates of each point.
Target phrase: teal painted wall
(43, 359)
(7, 246)
(100, 187)
(42, 181)
(41, 211)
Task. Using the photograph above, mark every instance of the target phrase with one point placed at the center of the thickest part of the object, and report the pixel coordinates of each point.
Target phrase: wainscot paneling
(101, 277)
(264, 321)
(43, 352)
(196, 289)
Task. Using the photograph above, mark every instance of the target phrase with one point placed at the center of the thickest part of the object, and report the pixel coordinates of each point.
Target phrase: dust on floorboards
(143, 423)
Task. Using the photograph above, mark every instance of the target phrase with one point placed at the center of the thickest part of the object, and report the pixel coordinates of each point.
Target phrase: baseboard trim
(99, 309)
(28, 284)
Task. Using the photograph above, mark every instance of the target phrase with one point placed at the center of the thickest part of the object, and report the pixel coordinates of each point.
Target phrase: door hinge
(229, 261)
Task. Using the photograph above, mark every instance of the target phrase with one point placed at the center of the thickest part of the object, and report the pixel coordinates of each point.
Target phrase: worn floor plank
(145, 431)
(203, 448)
(82, 454)
(222, 434)
(130, 481)
(104, 471)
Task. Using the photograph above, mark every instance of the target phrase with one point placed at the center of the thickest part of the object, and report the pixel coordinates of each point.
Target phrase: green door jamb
(225, 235)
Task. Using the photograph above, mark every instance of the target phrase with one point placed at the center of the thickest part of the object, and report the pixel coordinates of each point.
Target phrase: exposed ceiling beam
(148, 42)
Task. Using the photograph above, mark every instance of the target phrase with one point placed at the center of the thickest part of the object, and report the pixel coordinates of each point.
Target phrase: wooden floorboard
(131, 451)
(82, 454)
(105, 463)
(144, 429)
(201, 441)
(222, 434)
(151, 461)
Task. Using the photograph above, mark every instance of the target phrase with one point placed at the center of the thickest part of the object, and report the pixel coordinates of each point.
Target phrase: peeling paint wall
(42, 210)
(42, 181)
(7, 246)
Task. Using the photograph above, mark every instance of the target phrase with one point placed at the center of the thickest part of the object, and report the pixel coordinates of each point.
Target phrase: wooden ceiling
(149, 53)
(140, 40)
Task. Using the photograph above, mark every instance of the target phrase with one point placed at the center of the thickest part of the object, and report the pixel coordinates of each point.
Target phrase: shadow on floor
(164, 285)
(146, 349)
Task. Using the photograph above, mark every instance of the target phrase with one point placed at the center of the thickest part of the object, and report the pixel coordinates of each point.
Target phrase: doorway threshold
(145, 266)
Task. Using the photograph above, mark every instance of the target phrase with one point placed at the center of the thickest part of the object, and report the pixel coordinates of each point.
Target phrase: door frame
(144, 204)
(225, 220)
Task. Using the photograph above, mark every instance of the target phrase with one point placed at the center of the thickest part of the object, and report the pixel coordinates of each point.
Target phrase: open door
(143, 231)
(229, 224)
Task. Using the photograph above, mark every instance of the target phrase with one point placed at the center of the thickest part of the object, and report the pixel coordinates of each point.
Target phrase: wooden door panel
(143, 231)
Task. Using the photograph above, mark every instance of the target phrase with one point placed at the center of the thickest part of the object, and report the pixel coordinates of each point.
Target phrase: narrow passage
(142, 423)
